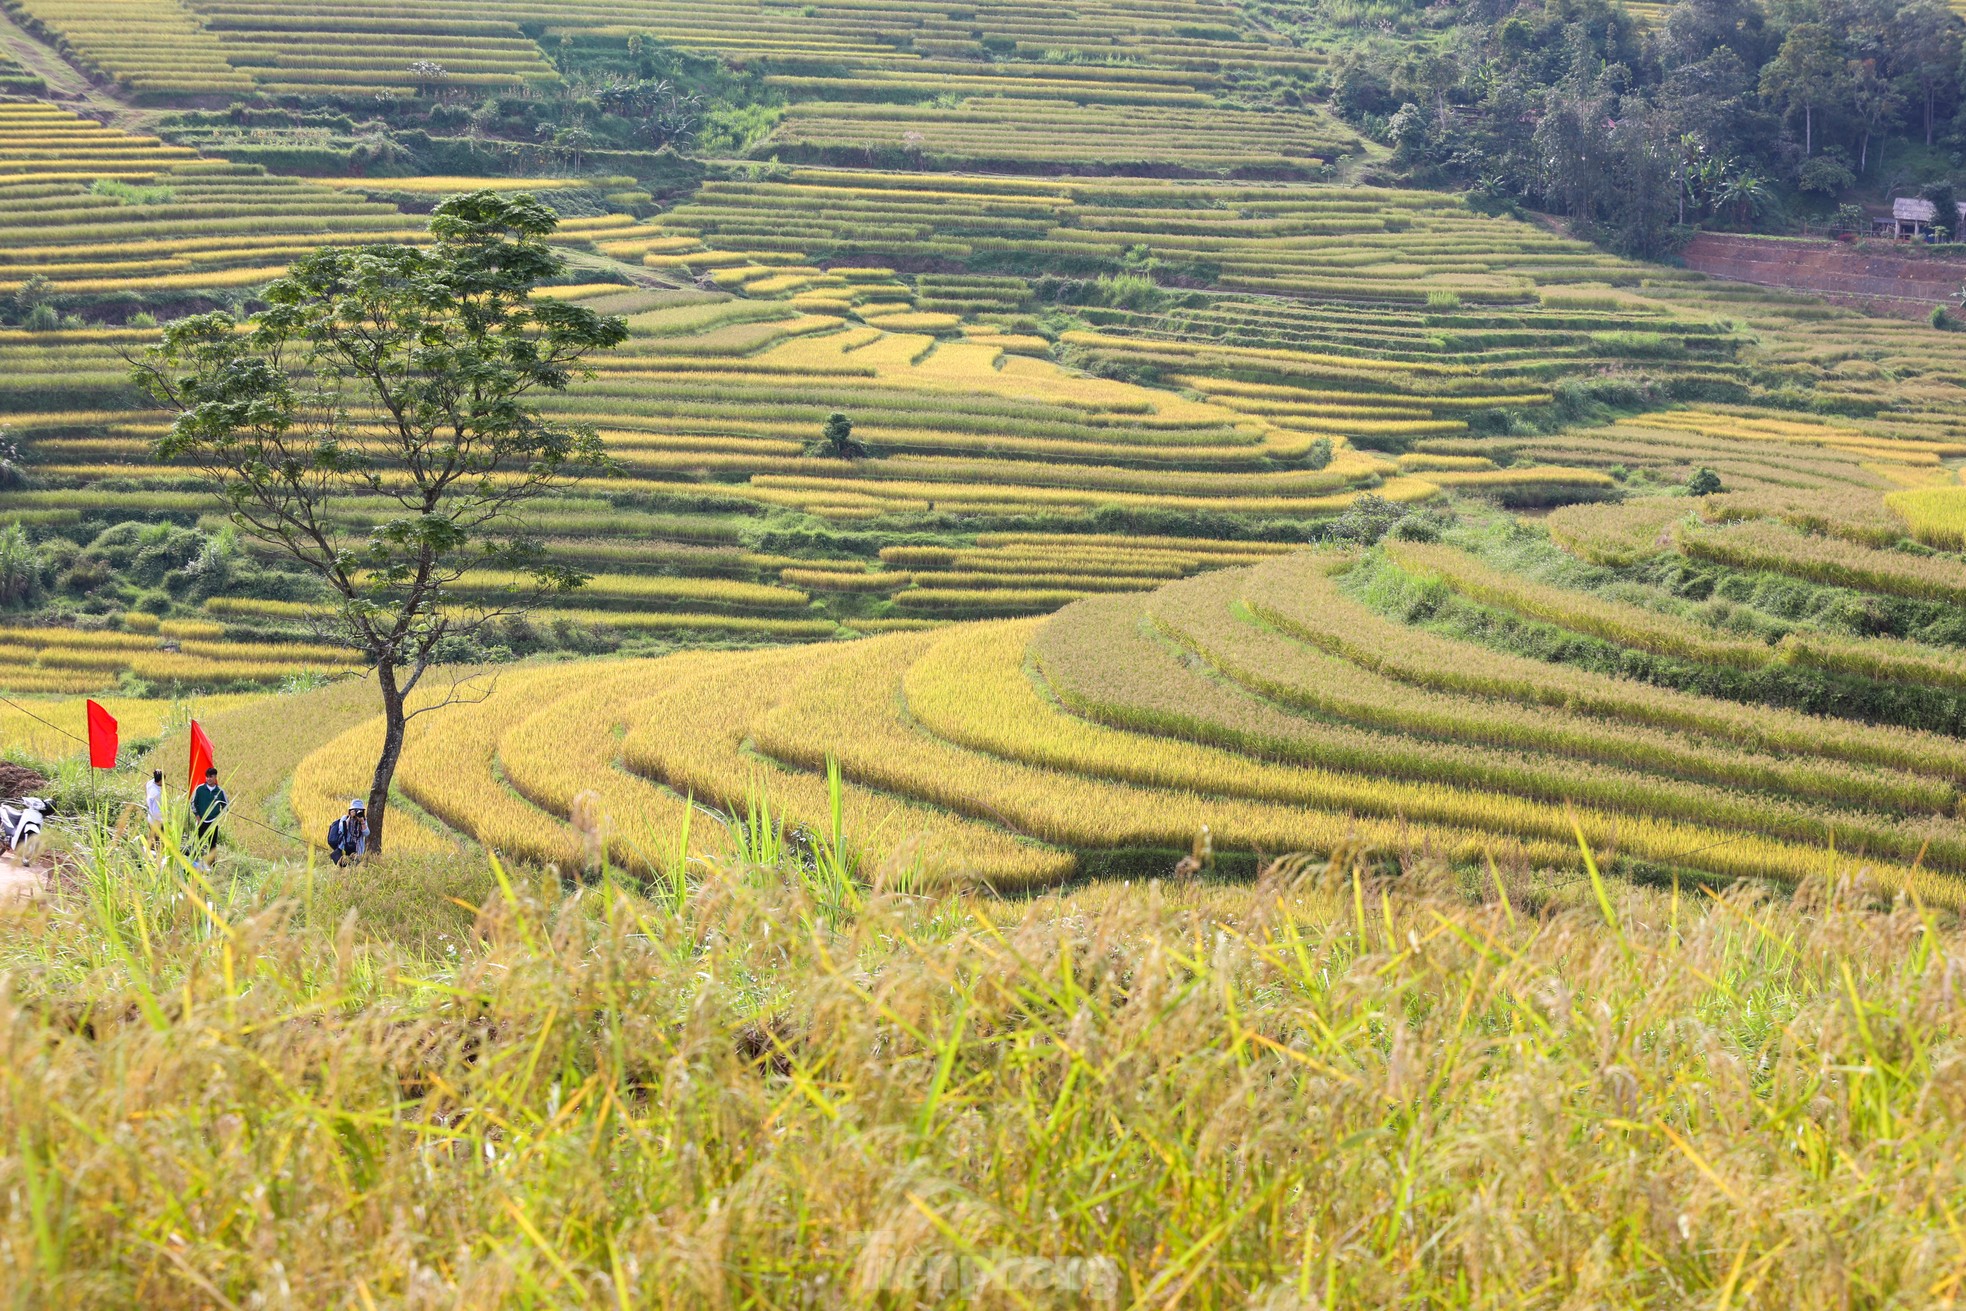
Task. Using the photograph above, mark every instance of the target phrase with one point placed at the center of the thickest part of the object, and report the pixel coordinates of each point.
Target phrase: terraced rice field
(103, 213)
(1648, 13)
(1134, 86)
(70, 660)
(995, 127)
(1935, 515)
(17, 79)
(1126, 40)
(1324, 241)
(1264, 695)
(167, 49)
(1765, 451)
(981, 438)
(709, 437)
(1273, 704)
(1250, 351)
(1396, 319)
(1360, 372)
(48, 727)
(1291, 283)
(153, 47)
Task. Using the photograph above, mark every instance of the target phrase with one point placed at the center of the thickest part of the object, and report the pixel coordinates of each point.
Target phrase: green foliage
(13, 471)
(1709, 117)
(836, 440)
(1945, 199)
(25, 304)
(145, 554)
(1703, 482)
(1369, 518)
(131, 194)
(1807, 75)
(733, 131)
(1132, 291)
(20, 565)
(1825, 174)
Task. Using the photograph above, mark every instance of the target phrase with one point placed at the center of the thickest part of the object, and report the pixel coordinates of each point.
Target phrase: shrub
(1130, 291)
(12, 475)
(131, 194)
(1824, 174)
(836, 440)
(19, 565)
(1370, 518)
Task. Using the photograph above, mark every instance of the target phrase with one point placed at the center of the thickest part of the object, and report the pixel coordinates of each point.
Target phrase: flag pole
(105, 745)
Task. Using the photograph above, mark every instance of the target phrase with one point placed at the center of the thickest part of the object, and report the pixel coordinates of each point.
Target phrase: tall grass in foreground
(1320, 1090)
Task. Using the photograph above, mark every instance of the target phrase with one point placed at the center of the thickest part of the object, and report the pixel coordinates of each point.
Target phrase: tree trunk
(393, 722)
(1808, 130)
(1929, 92)
(1863, 154)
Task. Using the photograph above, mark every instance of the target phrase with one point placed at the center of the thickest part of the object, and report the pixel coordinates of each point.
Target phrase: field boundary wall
(1861, 276)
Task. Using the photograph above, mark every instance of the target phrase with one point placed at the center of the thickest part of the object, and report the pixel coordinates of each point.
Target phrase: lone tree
(404, 376)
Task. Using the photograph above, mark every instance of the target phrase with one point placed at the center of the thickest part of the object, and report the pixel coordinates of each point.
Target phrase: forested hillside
(1636, 120)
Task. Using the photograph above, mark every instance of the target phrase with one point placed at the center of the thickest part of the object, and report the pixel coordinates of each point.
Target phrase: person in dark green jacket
(207, 804)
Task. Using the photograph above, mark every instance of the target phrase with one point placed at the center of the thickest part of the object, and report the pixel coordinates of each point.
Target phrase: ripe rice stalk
(1206, 617)
(1304, 601)
(1777, 548)
(970, 689)
(690, 737)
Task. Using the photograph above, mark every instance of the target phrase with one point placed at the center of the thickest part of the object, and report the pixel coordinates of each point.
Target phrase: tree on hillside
(1806, 74)
(1696, 30)
(1923, 40)
(405, 376)
(1875, 100)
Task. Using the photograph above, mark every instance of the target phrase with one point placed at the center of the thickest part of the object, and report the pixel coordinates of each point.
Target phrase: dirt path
(635, 273)
(67, 84)
(19, 882)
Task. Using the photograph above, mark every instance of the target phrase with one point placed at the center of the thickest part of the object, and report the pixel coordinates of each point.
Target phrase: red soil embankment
(1881, 282)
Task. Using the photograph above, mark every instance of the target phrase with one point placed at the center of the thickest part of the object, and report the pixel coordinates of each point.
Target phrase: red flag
(102, 738)
(201, 754)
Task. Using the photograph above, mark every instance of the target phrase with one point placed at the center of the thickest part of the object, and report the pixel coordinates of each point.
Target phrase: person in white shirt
(153, 804)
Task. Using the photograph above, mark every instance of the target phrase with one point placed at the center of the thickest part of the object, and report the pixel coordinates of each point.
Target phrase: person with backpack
(348, 837)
